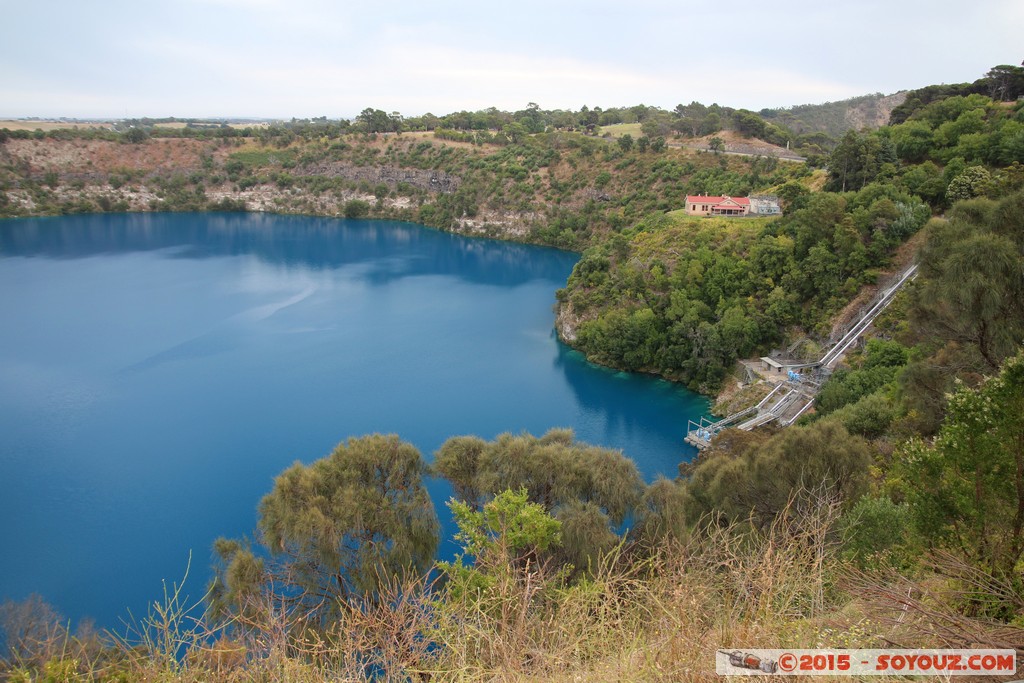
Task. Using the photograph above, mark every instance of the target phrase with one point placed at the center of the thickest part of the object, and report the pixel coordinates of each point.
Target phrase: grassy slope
(562, 189)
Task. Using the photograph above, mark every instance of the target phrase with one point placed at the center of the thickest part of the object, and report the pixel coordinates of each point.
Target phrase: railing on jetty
(700, 433)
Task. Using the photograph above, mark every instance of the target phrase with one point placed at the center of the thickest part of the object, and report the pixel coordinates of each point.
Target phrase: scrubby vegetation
(684, 298)
(892, 515)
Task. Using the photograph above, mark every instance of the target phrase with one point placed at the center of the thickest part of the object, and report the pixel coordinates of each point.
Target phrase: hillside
(562, 188)
(835, 118)
(734, 143)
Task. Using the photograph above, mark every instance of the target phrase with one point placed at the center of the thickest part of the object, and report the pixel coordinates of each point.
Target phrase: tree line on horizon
(811, 129)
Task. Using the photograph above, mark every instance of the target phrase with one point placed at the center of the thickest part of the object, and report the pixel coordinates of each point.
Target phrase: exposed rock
(430, 180)
(566, 322)
(874, 114)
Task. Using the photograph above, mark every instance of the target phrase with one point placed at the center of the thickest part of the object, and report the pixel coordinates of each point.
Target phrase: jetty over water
(798, 380)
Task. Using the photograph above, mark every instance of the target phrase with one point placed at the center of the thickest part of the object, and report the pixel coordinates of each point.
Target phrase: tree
(759, 481)
(712, 123)
(690, 118)
(967, 489)
(970, 289)
(458, 461)
(662, 514)
(356, 208)
(588, 488)
(376, 120)
(716, 145)
(342, 526)
(973, 182)
(854, 161)
(515, 132)
(626, 142)
(1006, 82)
(878, 533)
(749, 124)
(136, 134)
(508, 530)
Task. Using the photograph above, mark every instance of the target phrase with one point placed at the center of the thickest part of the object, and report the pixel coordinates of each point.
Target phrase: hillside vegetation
(835, 118)
(891, 516)
(559, 188)
(685, 297)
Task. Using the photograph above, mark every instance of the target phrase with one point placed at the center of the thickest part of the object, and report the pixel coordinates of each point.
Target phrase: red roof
(701, 199)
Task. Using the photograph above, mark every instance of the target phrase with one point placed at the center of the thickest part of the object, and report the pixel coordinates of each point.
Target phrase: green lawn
(620, 129)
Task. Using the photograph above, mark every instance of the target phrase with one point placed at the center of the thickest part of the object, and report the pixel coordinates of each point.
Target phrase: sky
(307, 58)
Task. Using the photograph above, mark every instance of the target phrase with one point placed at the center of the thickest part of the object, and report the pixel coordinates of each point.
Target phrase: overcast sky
(302, 58)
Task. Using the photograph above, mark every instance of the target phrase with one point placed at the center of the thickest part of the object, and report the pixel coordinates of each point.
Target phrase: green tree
(587, 488)
(508, 535)
(509, 527)
(662, 514)
(759, 481)
(690, 118)
(356, 208)
(749, 124)
(973, 182)
(341, 526)
(970, 289)
(966, 490)
(515, 132)
(716, 144)
(458, 461)
(1006, 82)
(854, 162)
(711, 123)
(878, 533)
(136, 134)
(626, 142)
(375, 120)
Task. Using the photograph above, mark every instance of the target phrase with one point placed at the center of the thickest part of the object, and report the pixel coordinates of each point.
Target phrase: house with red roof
(703, 205)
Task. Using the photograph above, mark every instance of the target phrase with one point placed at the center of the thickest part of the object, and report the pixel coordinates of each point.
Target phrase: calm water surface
(157, 371)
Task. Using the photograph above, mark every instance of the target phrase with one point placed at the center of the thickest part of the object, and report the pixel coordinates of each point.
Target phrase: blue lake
(157, 371)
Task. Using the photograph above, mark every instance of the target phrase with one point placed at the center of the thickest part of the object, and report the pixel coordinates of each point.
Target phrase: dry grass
(23, 124)
(620, 129)
(637, 618)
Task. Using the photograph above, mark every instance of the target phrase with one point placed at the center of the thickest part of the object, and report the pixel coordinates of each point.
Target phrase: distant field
(11, 124)
(177, 125)
(620, 129)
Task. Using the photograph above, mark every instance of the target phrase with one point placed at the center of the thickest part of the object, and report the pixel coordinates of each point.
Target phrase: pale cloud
(284, 58)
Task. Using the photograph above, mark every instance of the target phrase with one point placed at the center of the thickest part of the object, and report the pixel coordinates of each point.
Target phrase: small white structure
(764, 205)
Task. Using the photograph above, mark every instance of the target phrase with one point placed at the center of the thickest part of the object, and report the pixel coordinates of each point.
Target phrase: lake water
(157, 371)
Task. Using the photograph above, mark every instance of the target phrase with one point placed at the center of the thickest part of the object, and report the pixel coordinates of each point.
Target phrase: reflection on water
(392, 249)
(157, 371)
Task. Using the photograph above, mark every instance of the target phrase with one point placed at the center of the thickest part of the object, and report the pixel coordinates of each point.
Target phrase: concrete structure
(764, 205)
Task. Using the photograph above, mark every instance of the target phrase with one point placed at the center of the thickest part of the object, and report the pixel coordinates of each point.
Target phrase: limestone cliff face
(566, 322)
(874, 114)
(429, 180)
